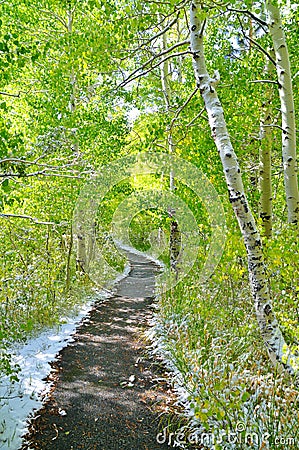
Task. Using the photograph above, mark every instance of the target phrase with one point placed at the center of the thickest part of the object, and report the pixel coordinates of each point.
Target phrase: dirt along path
(107, 393)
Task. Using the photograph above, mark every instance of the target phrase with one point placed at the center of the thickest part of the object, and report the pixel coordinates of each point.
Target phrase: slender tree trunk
(270, 331)
(266, 142)
(91, 241)
(80, 237)
(175, 238)
(287, 111)
(68, 262)
(81, 250)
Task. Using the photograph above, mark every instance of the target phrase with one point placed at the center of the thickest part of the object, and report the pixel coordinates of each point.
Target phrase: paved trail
(106, 394)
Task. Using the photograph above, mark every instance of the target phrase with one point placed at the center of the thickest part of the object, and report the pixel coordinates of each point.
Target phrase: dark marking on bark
(265, 217)
(193, 28)
(246, 209)
(267, 310)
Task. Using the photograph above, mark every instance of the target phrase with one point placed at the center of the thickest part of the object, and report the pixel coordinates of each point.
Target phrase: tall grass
(209, 335)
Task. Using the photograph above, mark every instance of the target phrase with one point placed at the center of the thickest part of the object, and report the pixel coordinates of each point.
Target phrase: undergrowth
(35, 293)
(208, 335)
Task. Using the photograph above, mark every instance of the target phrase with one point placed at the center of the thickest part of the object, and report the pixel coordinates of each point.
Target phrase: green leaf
(5, 185)
(245, 396)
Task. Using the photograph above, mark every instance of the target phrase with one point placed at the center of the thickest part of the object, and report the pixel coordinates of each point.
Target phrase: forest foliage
(81, 88)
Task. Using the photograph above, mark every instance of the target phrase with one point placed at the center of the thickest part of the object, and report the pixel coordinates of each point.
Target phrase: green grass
(210, 334)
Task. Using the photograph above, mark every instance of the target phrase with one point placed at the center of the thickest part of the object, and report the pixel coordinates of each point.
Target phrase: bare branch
(151, 60)
(263, 81)
(195, 118)
(60, 175)
(249, 13)
(129, 80)
(161, 32)
(21, 216)
(256, 43)
(273, 125)
(10, 95)
(179, 110)
(38, 173)
(35, 163)
(60, 19)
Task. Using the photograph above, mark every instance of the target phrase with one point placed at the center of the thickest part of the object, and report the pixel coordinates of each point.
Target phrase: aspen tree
(287, 111)
(277, 348)
(265, 151)
(80, 237)
(174, 239)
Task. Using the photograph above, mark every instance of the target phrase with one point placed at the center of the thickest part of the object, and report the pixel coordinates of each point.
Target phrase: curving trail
(107, 394)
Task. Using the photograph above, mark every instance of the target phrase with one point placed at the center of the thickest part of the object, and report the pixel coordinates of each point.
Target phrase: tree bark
(270, 331)
(81, 250)
(80, 237)
(287, 111)
(175, 238)
(68, 263)
(265, 151)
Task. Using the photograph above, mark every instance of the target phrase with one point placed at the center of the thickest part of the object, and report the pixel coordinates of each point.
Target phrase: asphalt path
(107, 392)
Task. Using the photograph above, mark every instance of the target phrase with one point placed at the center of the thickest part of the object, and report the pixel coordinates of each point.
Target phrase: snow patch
(19, 400)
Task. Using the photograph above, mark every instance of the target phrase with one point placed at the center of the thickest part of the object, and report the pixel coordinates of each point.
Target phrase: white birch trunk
(265, 151)
(270, 331)
(174, 240)
(265, 182)
(69, 246)
(287, 111)
(82, 252)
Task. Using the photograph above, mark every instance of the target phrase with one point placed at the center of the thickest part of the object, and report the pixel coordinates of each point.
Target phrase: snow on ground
(19, 400)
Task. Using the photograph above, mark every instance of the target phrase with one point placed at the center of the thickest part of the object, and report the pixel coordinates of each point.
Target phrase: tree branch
(248, 13)
(35, 163)
(179, 110)
(60, 19)
(10, 95)
(263, 81)
(129, 79)
(195, 118)
(160, 32)
(256, 43)
(38, 173)
(151, 60)
(21, 216)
